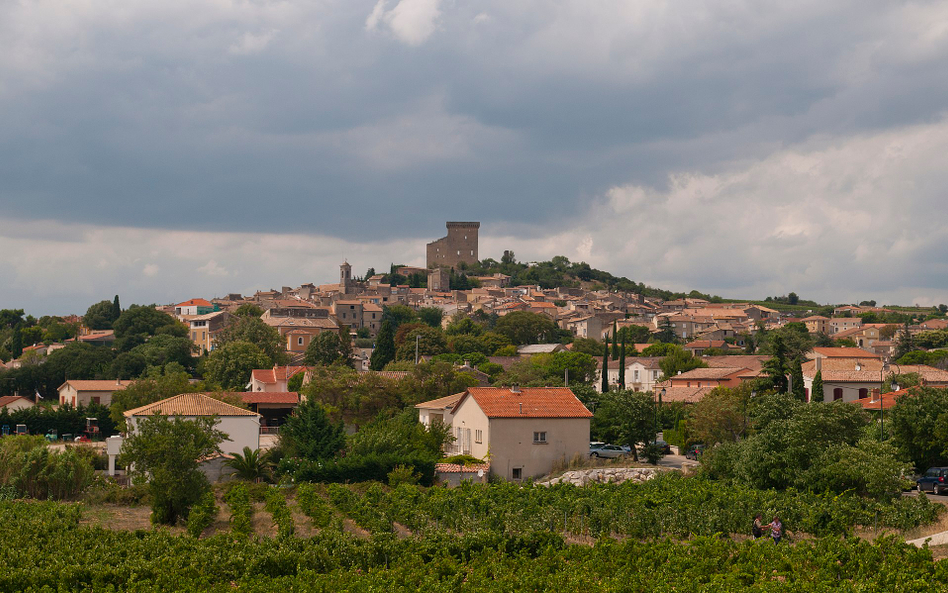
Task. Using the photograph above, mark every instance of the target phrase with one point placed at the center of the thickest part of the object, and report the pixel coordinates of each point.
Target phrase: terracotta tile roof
(886, 400)
(688, 395)
(844, 352)
(707, 344)
(93, 385)
(190, 404)
(6, 400)
(270, 397)
(530, 402)
(195, 303)
(748, 361)
(710, 373)
(277, 373)
(97, 335)
(442, 403)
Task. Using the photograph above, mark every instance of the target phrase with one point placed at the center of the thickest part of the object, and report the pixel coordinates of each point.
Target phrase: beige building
(76, 392)
(12, 403)
(523, 432)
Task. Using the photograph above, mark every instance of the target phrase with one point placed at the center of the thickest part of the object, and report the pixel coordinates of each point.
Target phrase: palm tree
(250, 466)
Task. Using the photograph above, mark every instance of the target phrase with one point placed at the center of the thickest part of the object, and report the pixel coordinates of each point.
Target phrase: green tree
(679, 360)
(116, 308)
(524, 327)
(721, 416)
(430, 341)
(635, 334)
(251, 465)
(16, 344)
(401, 435)
(145, 321)
(605, 368)
(817, 395)
(905, 342)
(918, 427)
(463, 326)
(164, 451)
(666, 332)
(625, 417)
(622, 366)
(99, 316)
(615, 341)
(159, 384)
(309, 434)
(255, 331)
(345, 347)
(384, 351)
(796, 377)
(231, 365)
(323, 349)
(776, 366)
(398, 314)
(165, 348)
(588, 346)
(248, 310)
(431, 316)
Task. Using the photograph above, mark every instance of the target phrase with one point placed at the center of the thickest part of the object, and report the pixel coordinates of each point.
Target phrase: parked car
(694, 452)
(664, 447)
(934, 480)
(608, 451)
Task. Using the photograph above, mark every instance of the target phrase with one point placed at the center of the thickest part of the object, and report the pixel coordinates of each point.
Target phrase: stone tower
(345, 277)
(459, 246)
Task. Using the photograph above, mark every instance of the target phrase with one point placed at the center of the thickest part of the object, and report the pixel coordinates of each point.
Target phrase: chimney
(874, 395)
(521, 407)
(819, 363)
(515, 388)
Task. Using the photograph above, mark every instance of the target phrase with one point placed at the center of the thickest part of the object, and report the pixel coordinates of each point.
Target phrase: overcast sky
(171, 149)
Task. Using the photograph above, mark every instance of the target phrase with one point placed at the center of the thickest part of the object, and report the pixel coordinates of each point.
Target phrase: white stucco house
(522, 432)
(241, 426)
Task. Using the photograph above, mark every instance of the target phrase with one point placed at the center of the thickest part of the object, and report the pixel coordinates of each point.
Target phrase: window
(516, 473)
(478, 436)
(96, 400)
(636, 376)
(539, 437)
(299, 341)
(838, 393)
(863, 393)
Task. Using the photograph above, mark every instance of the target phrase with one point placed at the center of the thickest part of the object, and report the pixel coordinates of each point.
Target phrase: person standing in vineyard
(776, 529)
(757, 529)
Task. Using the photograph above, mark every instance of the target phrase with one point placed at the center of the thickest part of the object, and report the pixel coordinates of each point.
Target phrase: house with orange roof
(274, 380)
(195, 307)
(524, 431)
(12, 403)
(80, 392)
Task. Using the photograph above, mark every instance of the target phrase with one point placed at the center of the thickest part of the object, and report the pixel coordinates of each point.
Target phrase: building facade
(460, 245)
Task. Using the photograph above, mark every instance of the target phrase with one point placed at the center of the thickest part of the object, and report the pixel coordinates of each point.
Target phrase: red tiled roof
(270, 397)
(886, 400)
(190, 404)
(6, 400)
(529, 402)
(93, 385)
(688, 395)
(844, 352)
(441, 403)
(195, 303)
(277, 373)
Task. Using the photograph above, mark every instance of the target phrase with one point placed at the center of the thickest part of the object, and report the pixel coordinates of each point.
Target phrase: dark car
(664, 447)
(694, 452)
(934, 480)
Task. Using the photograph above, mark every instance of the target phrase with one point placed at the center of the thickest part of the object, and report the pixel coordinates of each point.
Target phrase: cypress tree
(605, 368)
(384, 352)
(622, 365)
(116, 308)
(345, 346)
(16, 345)
(817, 387)
(796, 378)
(615, 341)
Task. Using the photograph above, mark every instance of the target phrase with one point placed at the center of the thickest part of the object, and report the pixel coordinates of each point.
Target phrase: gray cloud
(344, 120)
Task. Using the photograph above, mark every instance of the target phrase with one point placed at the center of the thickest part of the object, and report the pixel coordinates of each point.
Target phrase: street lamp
(657, 410)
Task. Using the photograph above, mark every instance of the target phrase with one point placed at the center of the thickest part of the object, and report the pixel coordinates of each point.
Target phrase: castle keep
(459, 246)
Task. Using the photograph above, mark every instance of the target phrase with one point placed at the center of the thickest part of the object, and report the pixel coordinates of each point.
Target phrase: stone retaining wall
(605, 475)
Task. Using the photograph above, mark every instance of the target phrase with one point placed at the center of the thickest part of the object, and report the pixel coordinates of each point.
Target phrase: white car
(608, 451)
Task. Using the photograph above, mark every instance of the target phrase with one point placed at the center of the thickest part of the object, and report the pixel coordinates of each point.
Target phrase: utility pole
(417, 336)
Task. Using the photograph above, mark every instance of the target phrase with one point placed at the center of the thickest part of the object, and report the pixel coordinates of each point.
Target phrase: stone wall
(605, 475)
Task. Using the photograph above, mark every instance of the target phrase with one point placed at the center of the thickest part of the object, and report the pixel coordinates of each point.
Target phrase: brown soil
(350, 526)
(262, 523)
(119, 518)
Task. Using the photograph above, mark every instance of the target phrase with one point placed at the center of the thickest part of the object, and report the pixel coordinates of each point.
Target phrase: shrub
(313, 505)
(374, 467)
(202, 514)
(241, 511)
(402, 474)
(277, 507)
